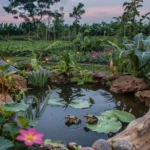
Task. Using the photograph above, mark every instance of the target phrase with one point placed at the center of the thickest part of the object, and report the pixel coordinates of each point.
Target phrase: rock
(128, 83)
(8, 99)
(101, 145)
(122, 145)
(59, 78)
(110, 78)
(72, 145)
(87, 148)
(137, 134)
(97, 76)
(51, 147)
(20, 82)
(144, 96)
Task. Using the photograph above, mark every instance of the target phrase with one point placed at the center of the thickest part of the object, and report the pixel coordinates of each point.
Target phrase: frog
(91, 119)
(72, 119)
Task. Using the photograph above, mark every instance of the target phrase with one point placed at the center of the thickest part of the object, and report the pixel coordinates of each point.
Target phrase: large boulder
(144, 96)
(20, 82)
(110, 78)
(128, 83)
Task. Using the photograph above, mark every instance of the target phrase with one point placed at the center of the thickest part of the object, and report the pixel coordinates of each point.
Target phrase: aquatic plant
(39, 77)
(78, 104)
(108, 121)
(30, 137)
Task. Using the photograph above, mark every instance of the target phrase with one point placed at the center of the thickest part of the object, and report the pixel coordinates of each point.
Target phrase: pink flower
(30, 137)
(94, 54)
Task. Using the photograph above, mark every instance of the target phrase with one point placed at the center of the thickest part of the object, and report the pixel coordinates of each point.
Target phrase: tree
(128, 21)
(77, 12)
(30, 10)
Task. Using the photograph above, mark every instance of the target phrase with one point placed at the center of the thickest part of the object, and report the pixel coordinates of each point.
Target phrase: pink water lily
(30, 137)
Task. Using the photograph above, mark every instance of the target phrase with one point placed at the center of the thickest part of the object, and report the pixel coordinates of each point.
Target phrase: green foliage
(5, 144)
(26, 48)
(38, 78)
(135, 58)
(77, 12)
(9, 109)
(82, 78)
(67, 64)
(30, 11)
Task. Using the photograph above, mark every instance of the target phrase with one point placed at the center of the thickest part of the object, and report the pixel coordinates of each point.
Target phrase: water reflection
(52, 122)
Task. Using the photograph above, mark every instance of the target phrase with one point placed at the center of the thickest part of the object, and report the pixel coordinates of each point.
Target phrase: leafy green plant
(82, 78)
(6, 80)
(67, 64)
(39, 77)
(135, 58)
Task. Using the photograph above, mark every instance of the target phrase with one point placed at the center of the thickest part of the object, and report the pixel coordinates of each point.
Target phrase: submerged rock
(101, 145)
(144, 96)
(51, 147)
(128, 83)
(20, 82)
(87, 148)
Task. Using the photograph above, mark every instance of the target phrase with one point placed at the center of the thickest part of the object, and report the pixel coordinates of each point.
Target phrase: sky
(96, 10)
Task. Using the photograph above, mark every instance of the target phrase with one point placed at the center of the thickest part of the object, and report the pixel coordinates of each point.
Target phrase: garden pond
(53, 123)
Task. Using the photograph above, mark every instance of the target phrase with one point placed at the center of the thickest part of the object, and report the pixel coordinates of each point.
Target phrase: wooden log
(136, 134)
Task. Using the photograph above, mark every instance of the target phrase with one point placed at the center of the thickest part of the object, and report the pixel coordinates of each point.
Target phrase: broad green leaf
(15, 107)
(56, 102)
(11, 127)
(5, 144)
(23, 121)
(123, 116)
(34, 63)
(120, 115)
(105, 125)
(32, 123)
(80, 104)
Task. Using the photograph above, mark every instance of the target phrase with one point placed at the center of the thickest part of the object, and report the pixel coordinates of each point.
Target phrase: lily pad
(56, 102)
(105, 125)
(80, 104)
(123, 116)
(5, 144)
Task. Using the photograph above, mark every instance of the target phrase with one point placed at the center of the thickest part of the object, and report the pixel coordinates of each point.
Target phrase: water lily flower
(30, 137)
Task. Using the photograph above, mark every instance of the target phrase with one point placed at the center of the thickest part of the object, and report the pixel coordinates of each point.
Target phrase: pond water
(52, 121)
